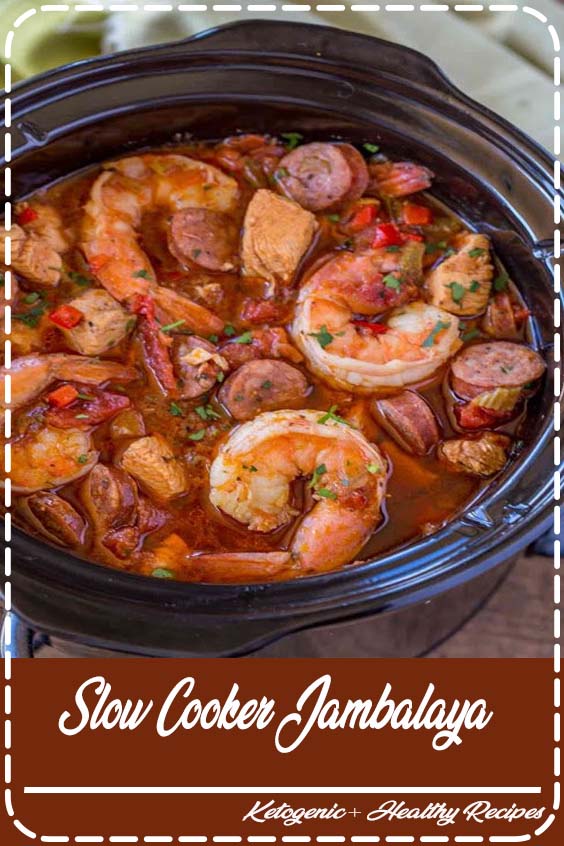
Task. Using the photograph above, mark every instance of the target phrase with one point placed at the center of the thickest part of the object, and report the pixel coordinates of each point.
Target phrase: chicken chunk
(461, 284)
(46, 225)
(277, 232)
(481, 456)
(151, 461)
(32, 257)
(104, 325)
(109, 496)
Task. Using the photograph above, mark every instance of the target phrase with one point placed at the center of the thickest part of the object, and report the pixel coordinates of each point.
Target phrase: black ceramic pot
(325, 83)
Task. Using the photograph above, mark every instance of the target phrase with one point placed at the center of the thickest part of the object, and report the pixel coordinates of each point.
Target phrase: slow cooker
(267, 76)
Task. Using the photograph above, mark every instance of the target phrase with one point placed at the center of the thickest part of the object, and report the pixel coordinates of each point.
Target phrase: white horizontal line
(276, 789)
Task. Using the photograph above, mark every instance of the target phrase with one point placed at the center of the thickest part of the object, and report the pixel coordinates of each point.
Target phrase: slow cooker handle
(325, 44)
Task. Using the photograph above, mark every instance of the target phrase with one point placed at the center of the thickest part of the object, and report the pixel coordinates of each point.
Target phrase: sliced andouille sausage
(92, 407)
(481, 456)
(359, 172)
(276, 234)
(202, 236)
(55, 518)
(122, 542)
(263, 385)
(398, 179)
(409, 420)
(151, 461)
(197, 364)
(104, 324)
(109, 495)
(461, 284)
(318, 176)
(495, 364)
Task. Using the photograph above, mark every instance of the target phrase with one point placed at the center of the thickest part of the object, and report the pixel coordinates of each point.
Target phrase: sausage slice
(204, 237)
(318, 176)
(55, 518)
(359, 171)
(262, 385)
(495, 364)
(409, 420)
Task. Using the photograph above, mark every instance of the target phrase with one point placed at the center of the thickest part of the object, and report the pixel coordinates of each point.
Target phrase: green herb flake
(79, 279)
(292, 139)
(266, 384)
(29, 299)
(196, 253)
(330, 415)
(281, 173)
(142, 274)
(163, 573)
(334, 218)
(175, 410)
(449, 252)
(81, 417)
(457, 291)
(319, 471)
(370, 148)
(82, 459)
(250, 467)
(373, 468)
(32, 317)
(477, 251)
(324, 337)
(197, 436)
(432, 336)
(393, 248)
(391, 281)
(170, 326)
(131, 323)
(206, 412)
(229, 330)
(474, 286)
(501, 282)
(326, 493)
(213, 339)
(245, 338)
(84, 397)
(471, 335)
(220, 377)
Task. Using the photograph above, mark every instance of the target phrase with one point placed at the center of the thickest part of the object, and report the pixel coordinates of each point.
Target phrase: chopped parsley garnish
(229, 330)
(220, 377)
(393, 248)
(163, 573)
(281, 173)
(82, 459)
(370, 148)
(213, 339)
(434, 248)
(326, 493)
(142, 274)
(175, 410)
(477, 251)
(196, 252)
(245, 338)
(474, 285)
(81, 417)
(457, 291)
(266, 384)
(334, 218)
(78, 279)
(436, 330)
(501, 282)
(130, 324)
(471, 335)
(292, 139)
(250, 467)
(32, 317)
(29, 299)
(373, 468)
(391, 281)
(206, 412)
(324, 337)
(170, 326)
(319, 471)
(84, 397)
(330, 415)
(197, 436)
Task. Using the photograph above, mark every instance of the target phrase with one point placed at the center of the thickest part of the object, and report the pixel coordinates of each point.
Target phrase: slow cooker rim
(172, 590)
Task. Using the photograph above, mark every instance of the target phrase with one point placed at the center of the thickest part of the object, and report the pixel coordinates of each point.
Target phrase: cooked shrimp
(120, 197)
(50, 458)
(408, 345)
(32, 374)
(251, 478)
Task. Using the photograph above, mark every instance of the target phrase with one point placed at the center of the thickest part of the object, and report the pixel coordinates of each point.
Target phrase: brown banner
(423, 751)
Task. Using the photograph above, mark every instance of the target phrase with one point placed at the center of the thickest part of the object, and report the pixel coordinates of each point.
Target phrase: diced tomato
(414, 215)
(66, 316)
(475, 417)
(27, 215)
(375, 328)
(365, 215)
(387, 235)
(62, 396)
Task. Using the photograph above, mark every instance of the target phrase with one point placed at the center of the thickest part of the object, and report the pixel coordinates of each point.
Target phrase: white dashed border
(288, 7)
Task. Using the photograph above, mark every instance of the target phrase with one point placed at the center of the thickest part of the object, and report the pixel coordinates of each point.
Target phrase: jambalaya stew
(255, 359)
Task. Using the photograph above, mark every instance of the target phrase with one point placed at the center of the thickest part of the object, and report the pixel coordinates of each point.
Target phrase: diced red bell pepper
(63, 396)
(66, 316)
(414, 215)
(362, 218)
(26, 215)
(475, 417)
(375, 328)
(387, 235)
